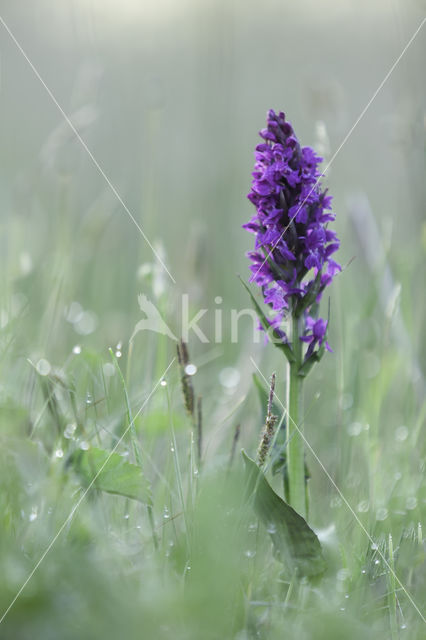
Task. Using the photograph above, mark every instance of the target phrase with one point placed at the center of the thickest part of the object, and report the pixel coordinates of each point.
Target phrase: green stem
(295, 448)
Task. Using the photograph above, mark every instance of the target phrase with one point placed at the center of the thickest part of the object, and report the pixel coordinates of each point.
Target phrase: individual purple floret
(291, 261)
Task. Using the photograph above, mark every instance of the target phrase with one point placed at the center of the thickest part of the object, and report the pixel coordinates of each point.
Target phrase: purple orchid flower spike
(292, 261)
(292, 265)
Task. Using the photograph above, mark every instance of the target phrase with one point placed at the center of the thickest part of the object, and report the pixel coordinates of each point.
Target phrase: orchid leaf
(295, 544)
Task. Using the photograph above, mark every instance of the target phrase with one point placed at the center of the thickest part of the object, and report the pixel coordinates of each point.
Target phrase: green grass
(197, 563)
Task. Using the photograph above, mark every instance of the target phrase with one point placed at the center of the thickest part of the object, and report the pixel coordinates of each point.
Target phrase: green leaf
(113, 473)
(295, 544)
(269, 330)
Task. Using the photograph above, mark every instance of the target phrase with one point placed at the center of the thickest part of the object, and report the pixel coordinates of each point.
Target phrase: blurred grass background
(169, 97)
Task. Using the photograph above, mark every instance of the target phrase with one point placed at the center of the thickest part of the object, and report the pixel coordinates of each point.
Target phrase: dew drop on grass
(191, 369)
(43, 367)
(354, 429)
(69, 431)
(229, 377)
(411, 503)
(86, 324)
(89, 398)
(172, 449)
(163, 383)
(347, 401)
(363, 506)
(118, 354)
(59, 453)
(84, 445)
(382, 513)
(166, 513)
(271, 528)
(108, 369)
(377, 562)
(76, 350)
(401, 433)
(343, 574)
(74, 312)
(126, 516)
(250, 553)
(252, 526)
(33, 515)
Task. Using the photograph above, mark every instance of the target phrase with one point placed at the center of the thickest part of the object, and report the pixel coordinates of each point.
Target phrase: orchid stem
(295, 448)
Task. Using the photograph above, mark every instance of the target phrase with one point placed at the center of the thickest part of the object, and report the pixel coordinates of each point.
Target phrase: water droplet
(191, 369)
(403, 626)
(76, 349)
(229, 377)
(382, 513)
(347, 401)
(25, 263)
(336, 502)
(354, 429)
(317, 395)
(33, 515)
(401, 433)
(172, 449)
(363, 506)
(195, 472)
(343, 574)
(166, 513)
(377, 562)
(89, 398)
(43, 367)
(126, 516)
(342, 608)
(363, 571)
(163, 383)
(346, 595)
(59, 453)
(108, 369)
(118, 354)
(271, 528)
(374, 546)
(74, 312)
(118, 346)
(84, 445)
(50, 510)
(252, 526)
(250, 553)
(86, 324)
(411, 503)
(69, 431)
